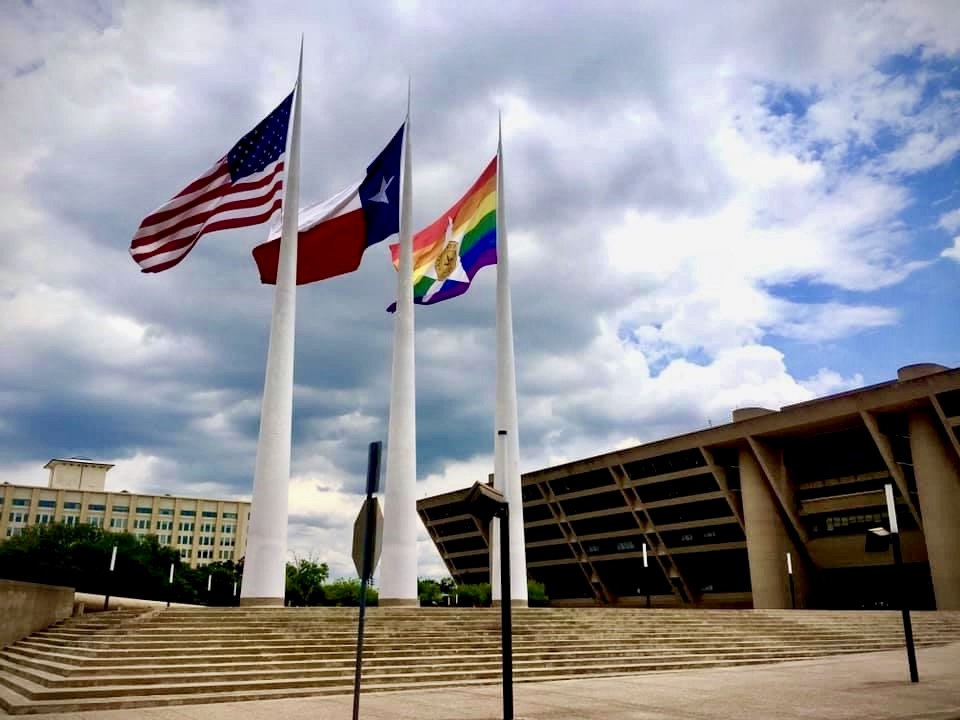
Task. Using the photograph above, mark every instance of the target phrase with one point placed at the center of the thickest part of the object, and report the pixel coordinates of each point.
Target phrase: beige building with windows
(202, 530)
(718, 510)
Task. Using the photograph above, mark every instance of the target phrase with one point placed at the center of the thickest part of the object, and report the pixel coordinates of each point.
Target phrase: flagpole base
(398, 602)
(513, 603)
(261, 602)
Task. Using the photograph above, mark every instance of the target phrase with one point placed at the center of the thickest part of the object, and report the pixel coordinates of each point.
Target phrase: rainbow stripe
(449, 252)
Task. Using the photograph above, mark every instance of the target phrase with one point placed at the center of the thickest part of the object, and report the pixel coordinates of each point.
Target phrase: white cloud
(950, 221)
(953, 253)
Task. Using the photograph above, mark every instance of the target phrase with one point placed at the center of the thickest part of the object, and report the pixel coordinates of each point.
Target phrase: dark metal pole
(904, 609)
(506, 616)
(373, 480)
(793, 594)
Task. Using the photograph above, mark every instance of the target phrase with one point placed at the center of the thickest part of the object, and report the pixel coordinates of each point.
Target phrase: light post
(646, 574)
(793, 592)
(486, 503)
(877, 540)
(170, 586)
(113, 563)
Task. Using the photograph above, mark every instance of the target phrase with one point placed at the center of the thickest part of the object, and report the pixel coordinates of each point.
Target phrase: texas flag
(333, 234)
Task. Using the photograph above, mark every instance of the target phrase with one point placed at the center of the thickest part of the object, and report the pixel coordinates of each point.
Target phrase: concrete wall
(28, 607)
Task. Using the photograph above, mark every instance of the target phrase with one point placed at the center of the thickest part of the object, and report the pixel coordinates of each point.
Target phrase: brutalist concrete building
(720, 509)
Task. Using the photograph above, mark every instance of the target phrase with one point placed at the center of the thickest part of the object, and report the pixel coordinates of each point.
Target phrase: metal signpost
(367, 535)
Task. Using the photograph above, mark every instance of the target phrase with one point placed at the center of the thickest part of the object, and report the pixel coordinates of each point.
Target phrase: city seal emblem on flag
(447, 261)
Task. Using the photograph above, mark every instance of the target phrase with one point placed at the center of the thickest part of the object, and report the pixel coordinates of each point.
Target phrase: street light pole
(646, 575)
(793, 592)
(170, 586)
(901, 583)
(113, 563)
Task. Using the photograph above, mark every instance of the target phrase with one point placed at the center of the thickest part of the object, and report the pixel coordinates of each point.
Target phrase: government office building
(201, 530)
(720, 509)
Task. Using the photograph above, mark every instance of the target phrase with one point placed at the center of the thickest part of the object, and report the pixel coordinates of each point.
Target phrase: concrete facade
(718, 510)
(201, 530)
(28, 607)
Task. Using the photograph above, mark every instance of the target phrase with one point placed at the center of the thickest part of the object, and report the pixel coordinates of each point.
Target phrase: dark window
(145, 510)
(465, 544)
(838, 454)
(47, 503)
(560, 551)
(540, 533)
(857, 522)
(457, 527)
(681, 487)
(96, 508)
(188, 513)
(715, 572)
(166, 511)
(689, 512)
(71, 506)
(628, 577)
(614, 545)
(121, 508)
(950, 402)
(663, 464)
(835, 489)
(584, 481)
(563, 581)
(21, 502)
(209, 513)
(531, 492)
(592, 503)
(607, 523)
(710, 535)
(229, 516)
(533, 513)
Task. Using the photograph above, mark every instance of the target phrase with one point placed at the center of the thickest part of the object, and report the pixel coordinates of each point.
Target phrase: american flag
(245, 187)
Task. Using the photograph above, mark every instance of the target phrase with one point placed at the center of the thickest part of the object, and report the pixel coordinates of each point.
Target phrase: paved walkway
(873, 686)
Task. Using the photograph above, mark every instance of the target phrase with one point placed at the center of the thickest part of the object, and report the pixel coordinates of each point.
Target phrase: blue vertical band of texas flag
(334, 234)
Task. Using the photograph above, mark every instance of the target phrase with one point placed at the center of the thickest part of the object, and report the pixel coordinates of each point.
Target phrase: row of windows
(121, 524)
(99, 507)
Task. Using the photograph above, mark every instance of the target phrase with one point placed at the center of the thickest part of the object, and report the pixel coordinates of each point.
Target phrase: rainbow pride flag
(450, 251)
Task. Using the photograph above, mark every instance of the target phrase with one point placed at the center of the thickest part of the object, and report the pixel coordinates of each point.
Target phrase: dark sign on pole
(367, 532)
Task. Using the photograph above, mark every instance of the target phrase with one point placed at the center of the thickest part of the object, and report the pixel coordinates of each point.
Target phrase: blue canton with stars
(261, 147)
(380, 192)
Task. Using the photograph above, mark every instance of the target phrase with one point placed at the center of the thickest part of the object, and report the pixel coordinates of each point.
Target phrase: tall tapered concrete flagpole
(398, 560)
(264, 571)
(507, 476)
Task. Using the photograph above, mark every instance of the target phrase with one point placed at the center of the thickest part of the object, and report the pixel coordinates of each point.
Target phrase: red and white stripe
(210, 203)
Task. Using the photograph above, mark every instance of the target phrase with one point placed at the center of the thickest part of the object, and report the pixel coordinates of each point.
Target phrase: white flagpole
(264, 572)
(507, 478)
(398, 563)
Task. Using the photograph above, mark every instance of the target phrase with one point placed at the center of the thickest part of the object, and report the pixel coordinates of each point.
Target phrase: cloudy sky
(710, 205)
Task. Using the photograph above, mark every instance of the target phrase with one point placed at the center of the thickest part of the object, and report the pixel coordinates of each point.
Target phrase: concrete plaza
(862, 686)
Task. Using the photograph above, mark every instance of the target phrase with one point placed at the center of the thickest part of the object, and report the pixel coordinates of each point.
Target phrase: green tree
(536, 594)
(429, 591)
(473, 595)
(305, 580)
(346, 591)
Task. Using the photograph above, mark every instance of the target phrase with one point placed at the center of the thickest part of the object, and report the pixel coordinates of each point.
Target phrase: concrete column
(938, 484)
(767, 541)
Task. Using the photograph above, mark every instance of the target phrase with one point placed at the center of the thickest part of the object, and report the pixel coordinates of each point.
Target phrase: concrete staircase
(129, 659)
